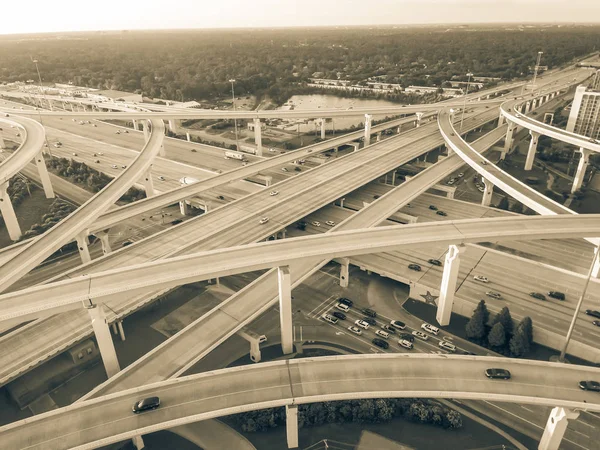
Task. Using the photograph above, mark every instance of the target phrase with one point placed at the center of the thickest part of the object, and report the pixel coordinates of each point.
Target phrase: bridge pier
(254, 340)
(148, 183)
(103, 236)
(104, 339)
(487, 192)
(2, 144)
(82, 247)
(8, 213)
(508, 140)
(584, 160)
(146, 130)
(500, 120)
(258, 137)
(135, 124)
(532, 149)
(344, 272)
(173, 126)
(322, 122)
(448, 286)
(368, 118)
(285, 309)
(419, 116)
(138, 442)
(184, 208)
(44, 177)
(556, 427)
(291, 425)
(356, 146)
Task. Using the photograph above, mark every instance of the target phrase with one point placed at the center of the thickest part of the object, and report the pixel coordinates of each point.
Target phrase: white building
(584, 118)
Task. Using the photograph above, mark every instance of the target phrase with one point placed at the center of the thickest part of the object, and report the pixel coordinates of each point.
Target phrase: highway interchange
(328, 181)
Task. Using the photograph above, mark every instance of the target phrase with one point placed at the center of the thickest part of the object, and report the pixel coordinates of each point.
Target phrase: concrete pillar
(291, 425)
(344, 272)
(508, 140)
(115, 330)
(556, 427)
(138, 442)
(581, 168)
(184, 208)
(532, 149)
(258, 137)
(450, 193)
(378, 137)
(44, 177)
(187, 135)
(146, 130)
(393, 178)
(322, 121)
(368, 118)
(82, 246)
(173, 126)
(121, 330)
(104, 339)
(135, 125)
(527, 107)
(448, 286)
(2, 144)
(72, 108)
(399, 129)
(148, 183)
(285, 309)
(8, 213)
(419, 115)
(103, 236)
(596, 268)
(500, 120)
(487, 193)
(254, 341)
(342, 202)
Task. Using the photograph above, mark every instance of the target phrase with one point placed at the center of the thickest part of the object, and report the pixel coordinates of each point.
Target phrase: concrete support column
(368, 118)
(500, 120)
(146, 130)
(254, 340)
(187, 135)
(532, 149)
(342, 202)
(82, 246)
(104, 339)
(419, 115)
(448, 286)
(393, 178)
(285, 309)
(173, 126)
(103, 236)
(322, 122)
(487, 193)
(8, 213)
(44, 177)
(596, 268)
(258, 137)
(399, 129)
(584, 160)
(378, 137)
(527, 107)
(508, 140)
(121, 330)
(184, 208)
(344, 272)
(72, 108)
(148, 183)
(135, 125)
(2, 144)
(356, 146)
(138, 442)
(556, 427)
(291, 425)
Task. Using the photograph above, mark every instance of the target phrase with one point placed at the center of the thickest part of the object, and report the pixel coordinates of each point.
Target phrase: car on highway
(346, 301)
(557, 295)
(123, 166)
(161, 178)
(484, 163)
(406, 344)
(339, 315)
(330, 319)
(481, 189)
(537, 295)
(447, 346)
(460, 175)
(450, 182)
(493, 294)
(497, 374)
(316, 223)
(370, 320)
(434, 262)
(114, 166)
(441, 213)
(407, 337)
(589, 385)
(368, 312)
(420, 335)
(94, 125)
(481, 278)
(101, 154)
(433, 207)
(6, 115)
(414, 267)
(596, 323)
(593, 313)
(430, 328)
(342, 307)
(397, 324)
(355, 330)
(263, 220)
(118, 132)
(126, 243)
(388, 328)
(330, 223)
(383, 334)
(284, 169)
(273, 193)
(362, 324)
(176, 221)
(127, 131)
(381, 343)
(146, 404)
(98, 161)
(74, 154)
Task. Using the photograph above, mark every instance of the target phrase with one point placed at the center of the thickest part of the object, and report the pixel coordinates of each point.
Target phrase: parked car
(362, 324)
(346, 301)
(460, 175)
(415, 267)
(537, 295)
(146, 404)
(342, 307)
(590, 386)
(557, 295)
(369, 312)
(339, 315)
(381, 343)
(499, 374)
(329, 318)
(434, 262)
(369, 320)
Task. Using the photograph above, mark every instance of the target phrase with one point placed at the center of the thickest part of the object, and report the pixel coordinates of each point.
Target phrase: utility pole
(237, 144)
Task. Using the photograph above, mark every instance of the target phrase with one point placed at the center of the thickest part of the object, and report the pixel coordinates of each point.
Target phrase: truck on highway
(188, 180)
(235, 155)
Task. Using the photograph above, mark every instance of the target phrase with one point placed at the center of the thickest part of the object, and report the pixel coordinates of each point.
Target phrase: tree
(518, 344)
(454, 419)
(505, 319)
(517, 208)
(476, 327)
(497, 336)
(527, 326)
(503, 204)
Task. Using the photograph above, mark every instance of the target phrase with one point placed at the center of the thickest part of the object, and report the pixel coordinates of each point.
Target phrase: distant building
(595, 85)
(113, 96)
(461, 84)
(251, 125)
(584, 118)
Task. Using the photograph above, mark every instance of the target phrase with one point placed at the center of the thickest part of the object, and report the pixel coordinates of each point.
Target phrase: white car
(263, 220)
(74, 154)
(342, 307)
(406, 343)
(460, 175)
(316, 224)
(161, 178)
(481, 278)
(430, 328)
(114, 166)
(331, 223)
(420, 335)
(447, 346)
(362, 324)
(273, 193)
(96, 126)
(284, 169)
(355, 330)
(329, 319)
(101, 154)
(383, 334)
(272, 150)
(495, 295)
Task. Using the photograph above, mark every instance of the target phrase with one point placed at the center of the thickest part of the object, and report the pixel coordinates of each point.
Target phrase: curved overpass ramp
(33, 135)
(109, 419)
(47, 299)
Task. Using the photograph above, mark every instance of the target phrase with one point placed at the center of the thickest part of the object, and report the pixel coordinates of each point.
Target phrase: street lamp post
(561, 358)
(35, 61)
(237, 145)
(469, 75)
(535, 70)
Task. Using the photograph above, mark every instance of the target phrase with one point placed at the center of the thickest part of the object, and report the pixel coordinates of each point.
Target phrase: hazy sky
(30, 16)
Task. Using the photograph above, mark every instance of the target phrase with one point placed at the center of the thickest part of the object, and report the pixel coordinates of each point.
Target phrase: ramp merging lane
(33, 135)
(109, 419)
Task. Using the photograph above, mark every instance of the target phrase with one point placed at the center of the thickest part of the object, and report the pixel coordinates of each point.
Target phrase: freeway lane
(189, 399)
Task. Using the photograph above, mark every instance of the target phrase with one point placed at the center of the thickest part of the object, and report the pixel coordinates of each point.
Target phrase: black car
(369, 312)
(388, 328)
(593, 313)
(596, 323)
(220, 197)
(407, 337)
(537, 295)
(441, 213)
(381, 343)
(146, 404)
(501, 374)
(433, 207)
(339, 315)
(557, 295)
(435, 262)
(590, 386)
(414, 267)
(126, 243)
(176, 221)
(346, 301)
(369, 320)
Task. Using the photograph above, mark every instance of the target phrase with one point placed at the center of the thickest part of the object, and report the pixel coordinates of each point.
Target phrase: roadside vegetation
(59, 209)
(18, 188)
